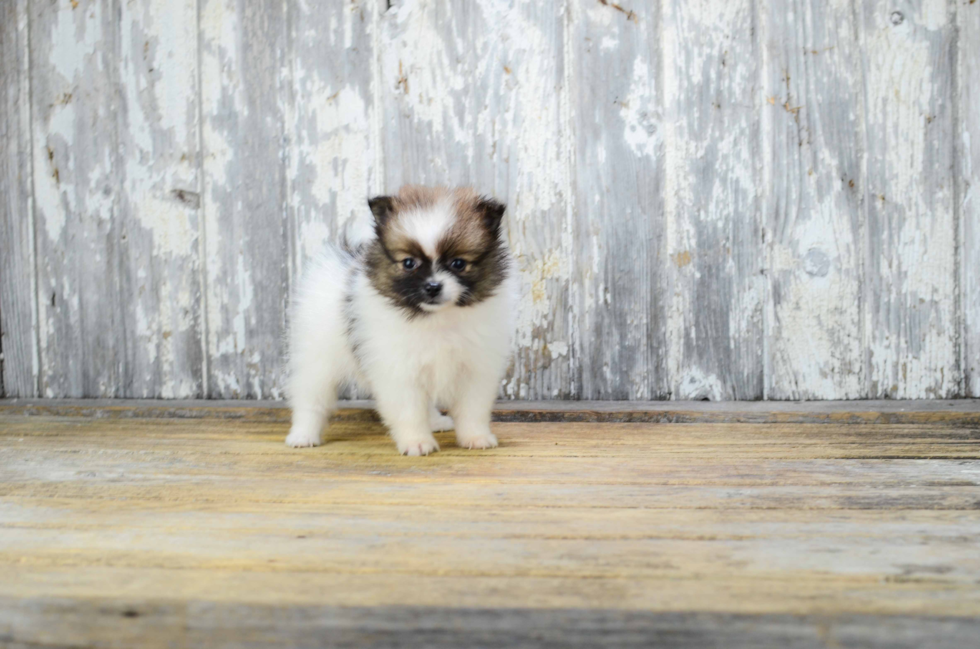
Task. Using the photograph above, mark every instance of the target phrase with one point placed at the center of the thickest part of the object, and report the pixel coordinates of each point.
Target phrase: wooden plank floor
(210, 532)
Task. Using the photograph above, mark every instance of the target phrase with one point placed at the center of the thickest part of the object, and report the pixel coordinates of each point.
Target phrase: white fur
(426, 227)
(452, 357)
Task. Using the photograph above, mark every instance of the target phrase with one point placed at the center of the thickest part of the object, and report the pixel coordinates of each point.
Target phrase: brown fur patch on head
(474, 236)
(387, 210)
(418, 197)
(408, 198)
(469, 232)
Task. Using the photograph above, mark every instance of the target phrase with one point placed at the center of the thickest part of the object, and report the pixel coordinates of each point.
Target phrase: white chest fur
(433, 351)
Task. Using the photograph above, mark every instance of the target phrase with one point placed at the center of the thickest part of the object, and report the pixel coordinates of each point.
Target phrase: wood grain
(712, 60)
(618, 99)
(910, 279)
(154, 624)
(217, 520)
(18, 278)
(330, 121)
(967, 140)
(115, 145)
(159, 200)
(709, 200)
(81, 258)
(960, 412)
(245, 217)
(814, 201)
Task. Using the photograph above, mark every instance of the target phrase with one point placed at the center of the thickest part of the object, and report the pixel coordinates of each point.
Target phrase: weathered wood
(712, 203)
(331, 123)
(910, 279)
(814, 189)
(475, 93)
(112, 530)
(618, 120)
(155, 623)
(77, 193)
(679, 179)
(962, 412)
(967, 141)
(115, 154)
(18, 279)
(245, 235)
(159, 200)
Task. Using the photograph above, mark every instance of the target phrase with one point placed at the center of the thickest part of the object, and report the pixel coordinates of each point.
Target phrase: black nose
(432, 289)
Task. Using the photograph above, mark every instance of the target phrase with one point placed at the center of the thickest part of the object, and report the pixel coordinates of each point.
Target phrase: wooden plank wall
(727, 199)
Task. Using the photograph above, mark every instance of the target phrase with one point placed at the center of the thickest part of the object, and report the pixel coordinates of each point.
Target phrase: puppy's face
(436, 248)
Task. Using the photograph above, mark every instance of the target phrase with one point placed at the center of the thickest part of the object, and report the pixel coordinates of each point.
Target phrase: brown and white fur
(419, 314)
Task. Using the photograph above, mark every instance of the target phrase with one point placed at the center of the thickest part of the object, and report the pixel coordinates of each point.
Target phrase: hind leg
(438, 421)
(313, 390)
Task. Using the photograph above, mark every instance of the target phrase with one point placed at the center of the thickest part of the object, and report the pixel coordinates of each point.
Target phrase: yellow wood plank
(739, 518)
(793, 594)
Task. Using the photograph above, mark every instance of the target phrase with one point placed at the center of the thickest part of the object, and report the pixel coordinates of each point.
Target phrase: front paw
(303, 437)
(476, 440)
(418, 446)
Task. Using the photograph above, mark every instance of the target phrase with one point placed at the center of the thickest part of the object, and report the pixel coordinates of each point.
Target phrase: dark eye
(408, 264)
(457, 264)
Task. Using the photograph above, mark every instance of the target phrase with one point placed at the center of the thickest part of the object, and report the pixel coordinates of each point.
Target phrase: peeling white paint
(335, 153)
(715, 310)
(427, 70)
(608, 43)
(696, 385)
(912, 341)
(640, 124)
(558, 348)
(534, 305)
(485, 92)
(932, 14)
(78, 35)
(968, 155)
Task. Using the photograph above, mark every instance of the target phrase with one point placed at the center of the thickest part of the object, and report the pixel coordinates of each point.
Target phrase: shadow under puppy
(419, 314)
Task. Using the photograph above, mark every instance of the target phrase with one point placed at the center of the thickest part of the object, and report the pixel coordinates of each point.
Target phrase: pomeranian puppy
(419, 314)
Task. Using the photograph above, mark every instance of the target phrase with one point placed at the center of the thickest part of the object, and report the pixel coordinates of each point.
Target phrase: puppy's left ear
(382, 207)
(492, 212)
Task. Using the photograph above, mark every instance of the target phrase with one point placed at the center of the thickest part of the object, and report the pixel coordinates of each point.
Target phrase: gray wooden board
(245, 219)
(712, 59)
(953, 412)
(814, 200)
(115, 159)
(64, 622)
(726, 200)
(967, 137)
(80, 257)
(617, 94)
(18, 322)
(910, 281)
(159, 201)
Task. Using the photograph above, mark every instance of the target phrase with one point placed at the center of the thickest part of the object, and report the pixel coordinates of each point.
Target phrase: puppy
(419, 314)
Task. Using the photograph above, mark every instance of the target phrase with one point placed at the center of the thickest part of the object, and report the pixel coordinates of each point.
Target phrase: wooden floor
(175, 532)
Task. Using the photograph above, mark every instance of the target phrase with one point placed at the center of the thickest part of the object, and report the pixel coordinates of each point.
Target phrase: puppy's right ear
(382, 207)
